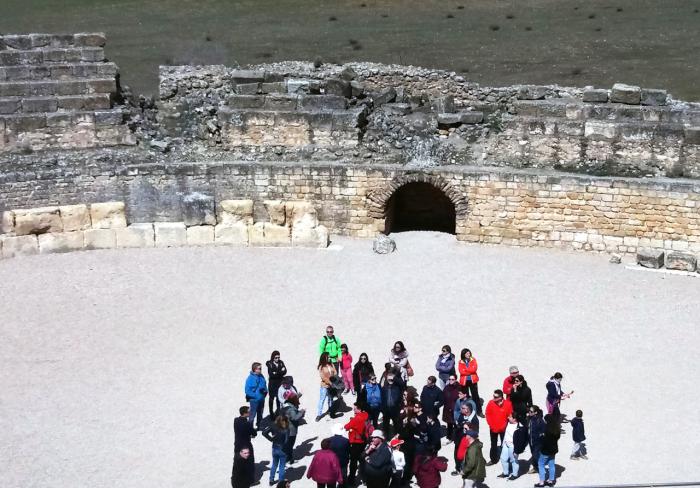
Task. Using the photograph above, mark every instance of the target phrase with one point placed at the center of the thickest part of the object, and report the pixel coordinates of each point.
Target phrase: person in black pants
(276, 370)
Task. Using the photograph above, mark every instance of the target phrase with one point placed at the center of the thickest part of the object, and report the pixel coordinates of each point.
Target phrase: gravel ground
(126, 368)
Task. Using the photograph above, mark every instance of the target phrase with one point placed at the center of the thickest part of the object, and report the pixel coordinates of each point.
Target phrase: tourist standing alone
(469, 378)
(445, 366)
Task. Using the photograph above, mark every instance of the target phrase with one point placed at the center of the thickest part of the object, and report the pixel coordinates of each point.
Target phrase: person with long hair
(398, 357)
(468, 377)
(428, 467)
(555, 394)
(450, 394)
(345, 365)
(278, 434)
(325, 468)
(520, 397)
(326, 371)
(291, 410)
(549, 450)
(361, 372)
(276, 370)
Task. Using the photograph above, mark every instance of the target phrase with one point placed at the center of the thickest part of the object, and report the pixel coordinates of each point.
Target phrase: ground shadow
(260, 468)
(304, 449)
(558, 470)
(523, 466)
(295, 474)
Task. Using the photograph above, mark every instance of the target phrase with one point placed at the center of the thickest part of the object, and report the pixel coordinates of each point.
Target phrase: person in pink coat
(325, 467)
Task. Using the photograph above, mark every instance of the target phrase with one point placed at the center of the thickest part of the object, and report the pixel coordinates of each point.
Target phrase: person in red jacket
(510, 380)
(497, 412)
(357, 435)
(325, 467)
(427, 468)
(468, 377)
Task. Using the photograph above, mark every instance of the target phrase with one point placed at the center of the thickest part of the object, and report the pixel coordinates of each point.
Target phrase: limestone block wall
(58, 92)
(103, 225)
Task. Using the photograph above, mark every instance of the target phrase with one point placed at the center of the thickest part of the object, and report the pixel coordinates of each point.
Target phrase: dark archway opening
(419, 206)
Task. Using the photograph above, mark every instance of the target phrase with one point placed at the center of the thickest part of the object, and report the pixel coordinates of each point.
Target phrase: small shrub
(528, 28)
(598, 29)
(357, 47)
(353, 42)
(385, 16)
(460, 7)
(510, 16)
(591, 16)
(619, 9)
(318, 62)
(450, 16)
(266, 55)
(332, 18)
(207, 38)
(494, 27)
(363, 5)
(576, 71)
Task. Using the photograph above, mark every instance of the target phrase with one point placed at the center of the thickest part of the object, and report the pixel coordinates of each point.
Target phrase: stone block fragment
(10, 106)
(297, 86)
(37, 221)
(248, 88)
(471, 117)
(234, 211)
(100, 239)
(335, 86)
(650, 258)
(256, 234)
(247, 76)
(301, 214)
(681, 261)
(600, 130)
(135, 236)
(348, 74)
(200, 235)
(691, 135)
(448, 119)
(385, 96)
(595, 95)
(170, 234)
(383, 244)
(398, 108)
(627, 94)
(90, 39)
(276, 235)
(75, 217)
(445, 104)
(198, 209)
(108, 215)
(7, 222)
(61, 242)
(531, 92)
(15, 246)
(653, 97)
(316, 237)
(274, 87)
(275, 211)
(322, 102)
(357, 88)
(234, 234)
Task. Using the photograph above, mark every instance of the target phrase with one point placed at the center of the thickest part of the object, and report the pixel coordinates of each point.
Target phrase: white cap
(378, 433)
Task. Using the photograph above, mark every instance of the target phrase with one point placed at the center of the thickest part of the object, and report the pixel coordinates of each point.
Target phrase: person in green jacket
(330, 344)
(474, 469)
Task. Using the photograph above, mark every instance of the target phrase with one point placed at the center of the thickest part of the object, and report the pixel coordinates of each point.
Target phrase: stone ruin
(370, 148)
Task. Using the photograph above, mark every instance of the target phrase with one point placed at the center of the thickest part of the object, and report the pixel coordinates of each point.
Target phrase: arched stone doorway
(419, 206)
(420, 201)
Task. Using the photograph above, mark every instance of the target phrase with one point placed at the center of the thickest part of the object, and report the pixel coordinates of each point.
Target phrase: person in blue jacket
(255, 393)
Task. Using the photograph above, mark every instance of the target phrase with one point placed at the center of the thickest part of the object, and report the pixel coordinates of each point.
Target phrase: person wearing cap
(357, 435)
(341, 447)
(378, 465)
(428, 467)
(330, 344)
(497, 412)
(291, 410)
(325, 467)
(474, 468)
(398, 461)
(513, 371)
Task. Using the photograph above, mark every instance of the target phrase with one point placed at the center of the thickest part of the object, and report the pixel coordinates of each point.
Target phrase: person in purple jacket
(445, 366)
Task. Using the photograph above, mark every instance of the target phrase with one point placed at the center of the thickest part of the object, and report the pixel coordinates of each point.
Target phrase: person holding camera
(255, 393)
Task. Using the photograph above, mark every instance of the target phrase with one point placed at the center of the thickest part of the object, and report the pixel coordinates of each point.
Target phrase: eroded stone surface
(170, 234)
(135, 236)
(37, 221)
(108, 215)
(650, 258)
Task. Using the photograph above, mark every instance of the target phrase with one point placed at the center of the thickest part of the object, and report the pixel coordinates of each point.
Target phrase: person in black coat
(362, 372)
(243, 432)
(536, 426)
(431, 398)
(392, 400)
(340, 445)
(243, 473)
(521, 398)
(276, 370)
(549, 450)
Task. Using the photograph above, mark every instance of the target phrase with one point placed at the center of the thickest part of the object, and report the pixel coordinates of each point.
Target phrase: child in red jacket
(346, 369)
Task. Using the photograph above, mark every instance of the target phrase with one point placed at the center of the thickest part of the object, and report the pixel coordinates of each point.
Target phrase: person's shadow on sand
(260, 468)
(295, 473)
(304, 449)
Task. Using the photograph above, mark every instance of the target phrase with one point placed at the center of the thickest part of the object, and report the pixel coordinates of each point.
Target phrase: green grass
(652, 43)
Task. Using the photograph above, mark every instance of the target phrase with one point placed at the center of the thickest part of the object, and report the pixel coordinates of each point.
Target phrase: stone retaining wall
(492, 206)
(58, 92)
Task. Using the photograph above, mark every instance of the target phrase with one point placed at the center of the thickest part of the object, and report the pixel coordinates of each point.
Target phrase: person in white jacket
(508, 456)
(398, 461)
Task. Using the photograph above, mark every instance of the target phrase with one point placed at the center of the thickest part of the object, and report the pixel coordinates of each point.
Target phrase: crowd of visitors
(395, 432)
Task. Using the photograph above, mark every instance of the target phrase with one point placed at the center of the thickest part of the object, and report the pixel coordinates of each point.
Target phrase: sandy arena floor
(125, 368)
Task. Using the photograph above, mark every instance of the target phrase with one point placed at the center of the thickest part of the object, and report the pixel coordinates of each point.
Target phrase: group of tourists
(396, 432)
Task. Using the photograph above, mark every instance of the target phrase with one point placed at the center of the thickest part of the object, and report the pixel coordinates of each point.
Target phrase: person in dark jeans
(276, 370)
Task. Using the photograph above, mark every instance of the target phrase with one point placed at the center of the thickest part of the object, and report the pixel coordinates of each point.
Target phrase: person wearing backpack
(330, 344)
(357, 429)
(371, 399)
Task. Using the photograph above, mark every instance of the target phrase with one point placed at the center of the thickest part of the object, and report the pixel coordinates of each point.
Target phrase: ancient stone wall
(58, 92)
(498, 206)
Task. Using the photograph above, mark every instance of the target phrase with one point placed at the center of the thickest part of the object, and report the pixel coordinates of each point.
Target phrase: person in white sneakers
(399, 462)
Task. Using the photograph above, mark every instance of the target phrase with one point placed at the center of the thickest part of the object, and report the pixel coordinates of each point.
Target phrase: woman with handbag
(398, 357)
(327, 372)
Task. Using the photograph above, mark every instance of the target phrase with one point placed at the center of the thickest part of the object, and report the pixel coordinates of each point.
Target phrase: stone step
(334, 119)
(71, 86)
(51, 56)
(58, 71)
(280, 102)
(12, 105)
(18, 123)
(38, 41)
